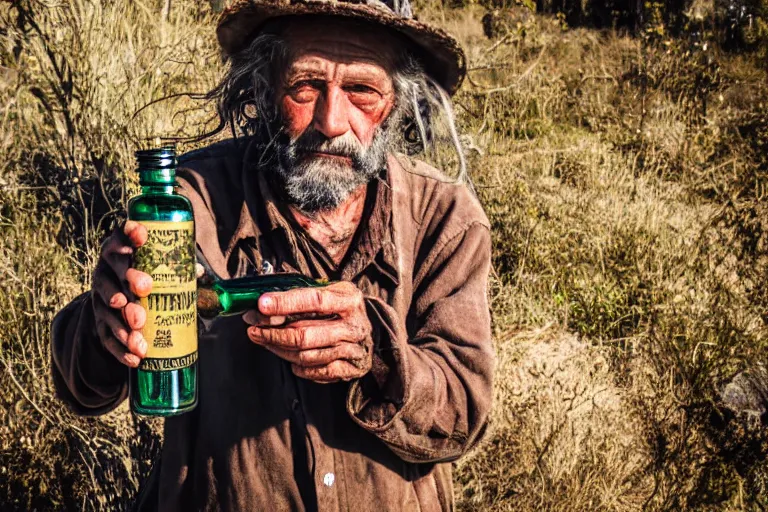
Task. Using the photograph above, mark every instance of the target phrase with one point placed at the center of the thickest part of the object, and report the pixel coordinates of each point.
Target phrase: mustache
(312, 141)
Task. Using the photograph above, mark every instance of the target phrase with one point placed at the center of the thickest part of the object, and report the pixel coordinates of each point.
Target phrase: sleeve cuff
(85, 374)
(375, 400)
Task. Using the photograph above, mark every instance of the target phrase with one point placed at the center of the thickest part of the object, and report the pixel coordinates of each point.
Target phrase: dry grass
(561, 421)
(626, 187)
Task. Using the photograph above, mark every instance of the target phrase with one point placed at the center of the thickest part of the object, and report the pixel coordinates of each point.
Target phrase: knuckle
(319, 298)
(273, 336)
(261, 335)
(277, 302)
(348, 289)
(320, 372)
(301, 338)
(115, 299)
(349, 351)
(304, 358)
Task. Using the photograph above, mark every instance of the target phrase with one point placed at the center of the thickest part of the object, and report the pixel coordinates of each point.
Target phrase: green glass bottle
(227, 297)
(165, 383)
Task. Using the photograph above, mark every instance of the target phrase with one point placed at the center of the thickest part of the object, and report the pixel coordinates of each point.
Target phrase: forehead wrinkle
(346, 44)
(318, 67)
(339, 55)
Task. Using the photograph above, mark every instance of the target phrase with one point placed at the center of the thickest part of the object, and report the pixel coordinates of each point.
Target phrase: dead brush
(595, 149)
(82, 71)
(627, 205)
(74, 74)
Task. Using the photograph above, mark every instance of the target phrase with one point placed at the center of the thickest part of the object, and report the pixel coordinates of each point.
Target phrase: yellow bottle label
(171, 327)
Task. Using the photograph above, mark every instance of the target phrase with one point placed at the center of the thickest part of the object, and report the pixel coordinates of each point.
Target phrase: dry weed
(564, 436)
(625, 184)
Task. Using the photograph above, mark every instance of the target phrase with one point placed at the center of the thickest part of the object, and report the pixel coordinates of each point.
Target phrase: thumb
(254, 317)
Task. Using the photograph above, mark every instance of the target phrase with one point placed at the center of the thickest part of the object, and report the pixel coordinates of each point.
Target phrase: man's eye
(362, 94)
(305, 90)
(360, 89)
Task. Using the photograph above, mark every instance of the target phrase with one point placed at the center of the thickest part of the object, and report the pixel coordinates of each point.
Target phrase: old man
(356, 396)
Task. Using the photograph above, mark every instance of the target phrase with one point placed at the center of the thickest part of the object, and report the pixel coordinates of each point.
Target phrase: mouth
(331, 156)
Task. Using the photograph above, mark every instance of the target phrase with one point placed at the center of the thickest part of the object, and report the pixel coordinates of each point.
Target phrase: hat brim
(439, 53)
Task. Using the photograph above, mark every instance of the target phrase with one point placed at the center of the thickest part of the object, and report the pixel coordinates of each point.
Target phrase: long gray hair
(245, 100)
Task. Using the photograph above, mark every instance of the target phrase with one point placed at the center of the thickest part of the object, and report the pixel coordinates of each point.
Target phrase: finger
(107, 288)
(305, 337)
(129, 352)
(333, 372)
(309, 316)
(116, 253)
(199, 271)
(109, 324)
(121, 353)
(320, 357)
(117, 244)
(135, 232)
(337, 298)
(135, 316)
(140, 283)
(114, 325)
(253, 317)
(137, 345)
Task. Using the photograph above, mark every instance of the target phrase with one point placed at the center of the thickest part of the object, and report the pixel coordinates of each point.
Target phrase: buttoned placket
(373, 250)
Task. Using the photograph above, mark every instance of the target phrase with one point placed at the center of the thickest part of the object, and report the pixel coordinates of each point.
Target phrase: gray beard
(317, 184)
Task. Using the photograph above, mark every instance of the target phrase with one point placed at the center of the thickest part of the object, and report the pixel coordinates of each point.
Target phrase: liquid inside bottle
(165, 383)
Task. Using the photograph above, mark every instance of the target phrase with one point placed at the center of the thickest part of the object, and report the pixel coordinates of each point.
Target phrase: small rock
(747, 393)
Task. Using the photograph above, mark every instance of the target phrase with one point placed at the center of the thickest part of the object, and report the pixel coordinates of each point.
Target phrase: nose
(331, 115)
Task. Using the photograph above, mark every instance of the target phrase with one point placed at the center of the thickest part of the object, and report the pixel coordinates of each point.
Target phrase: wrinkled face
(334, 98)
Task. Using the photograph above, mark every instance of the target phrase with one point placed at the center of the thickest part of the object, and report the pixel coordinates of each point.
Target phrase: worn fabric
(263, 439)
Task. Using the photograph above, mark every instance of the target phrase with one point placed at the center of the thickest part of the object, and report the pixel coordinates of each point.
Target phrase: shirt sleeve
(85, 375)
(428, 395)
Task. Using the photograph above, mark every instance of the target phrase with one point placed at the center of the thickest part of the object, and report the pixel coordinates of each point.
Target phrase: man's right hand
(116, 288)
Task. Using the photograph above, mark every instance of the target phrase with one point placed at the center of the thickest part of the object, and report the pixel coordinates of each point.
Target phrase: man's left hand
(331, 340)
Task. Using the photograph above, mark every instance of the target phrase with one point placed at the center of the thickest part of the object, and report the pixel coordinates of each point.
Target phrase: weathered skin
(116, 286)
(337, 81)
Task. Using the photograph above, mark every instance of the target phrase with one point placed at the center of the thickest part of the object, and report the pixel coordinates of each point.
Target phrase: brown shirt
(263, 439)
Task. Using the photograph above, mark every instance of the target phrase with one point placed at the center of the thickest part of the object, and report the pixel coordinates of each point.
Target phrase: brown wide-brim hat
(439, 53)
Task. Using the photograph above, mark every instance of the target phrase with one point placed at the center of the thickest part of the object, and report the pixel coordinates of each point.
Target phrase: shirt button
(328, 479)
